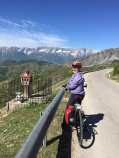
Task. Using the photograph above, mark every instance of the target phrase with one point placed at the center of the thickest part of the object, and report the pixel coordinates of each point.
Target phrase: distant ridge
(107, 56)
(48, 54)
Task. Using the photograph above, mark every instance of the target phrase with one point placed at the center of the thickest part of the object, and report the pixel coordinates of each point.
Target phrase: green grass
(113, 77)
(16, 127)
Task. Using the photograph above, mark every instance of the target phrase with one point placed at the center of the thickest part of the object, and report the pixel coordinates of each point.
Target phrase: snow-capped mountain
(48, 54)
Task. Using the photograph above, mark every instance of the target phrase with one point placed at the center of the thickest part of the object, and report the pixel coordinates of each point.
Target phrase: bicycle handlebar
(85, 85)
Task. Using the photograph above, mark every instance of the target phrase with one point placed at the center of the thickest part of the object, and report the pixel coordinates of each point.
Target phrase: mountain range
(11, 69)
(107, 56)
(47, 54)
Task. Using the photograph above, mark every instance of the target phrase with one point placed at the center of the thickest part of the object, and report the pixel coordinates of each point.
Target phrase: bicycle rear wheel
(80, 128)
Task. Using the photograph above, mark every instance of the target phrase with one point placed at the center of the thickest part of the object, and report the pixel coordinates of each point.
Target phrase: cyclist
(75, 87)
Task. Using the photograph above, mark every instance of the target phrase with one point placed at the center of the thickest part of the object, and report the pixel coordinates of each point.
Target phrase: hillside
(16, 127)
(108, 56)
(13, 69)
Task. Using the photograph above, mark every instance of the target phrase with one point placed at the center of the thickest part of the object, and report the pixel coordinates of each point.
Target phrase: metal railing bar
(32, 145)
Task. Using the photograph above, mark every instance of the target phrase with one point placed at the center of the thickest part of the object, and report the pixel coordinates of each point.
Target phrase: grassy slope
(15, 128)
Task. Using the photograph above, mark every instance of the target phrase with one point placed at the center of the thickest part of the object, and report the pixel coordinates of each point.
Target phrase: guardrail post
(45, 138)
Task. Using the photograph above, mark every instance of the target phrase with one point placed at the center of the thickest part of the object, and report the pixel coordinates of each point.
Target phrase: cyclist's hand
(64, 86)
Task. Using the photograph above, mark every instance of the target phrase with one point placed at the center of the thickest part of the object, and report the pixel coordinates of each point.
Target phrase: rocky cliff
(106, 56)
(48, 54)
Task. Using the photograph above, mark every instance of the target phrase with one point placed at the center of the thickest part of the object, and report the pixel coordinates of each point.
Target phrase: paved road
(101, 106)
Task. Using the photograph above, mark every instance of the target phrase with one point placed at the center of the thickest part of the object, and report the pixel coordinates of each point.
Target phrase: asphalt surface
(101, 107)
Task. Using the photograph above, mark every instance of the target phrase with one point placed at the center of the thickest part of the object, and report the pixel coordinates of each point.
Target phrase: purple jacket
(76, 84)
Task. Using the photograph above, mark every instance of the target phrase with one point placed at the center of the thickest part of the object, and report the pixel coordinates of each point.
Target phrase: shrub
(31, 104)
(116, 69)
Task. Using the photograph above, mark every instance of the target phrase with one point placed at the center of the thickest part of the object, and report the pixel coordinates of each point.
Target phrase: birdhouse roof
(26, 76)
(26, 70)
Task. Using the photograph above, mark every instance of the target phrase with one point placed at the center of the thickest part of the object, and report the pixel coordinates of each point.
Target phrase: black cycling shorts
(75, 98)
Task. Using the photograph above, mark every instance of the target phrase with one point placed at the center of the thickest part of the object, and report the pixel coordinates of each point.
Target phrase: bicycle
(78, 122)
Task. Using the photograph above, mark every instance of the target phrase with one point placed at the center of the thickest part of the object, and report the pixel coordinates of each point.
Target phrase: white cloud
(52, 40)
(23, 23)
(9, 22)
(25, 34)
(8, 39)
(27, 23)
(22, 37)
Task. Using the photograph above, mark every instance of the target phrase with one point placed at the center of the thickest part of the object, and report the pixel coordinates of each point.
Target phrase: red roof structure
(26, 70)
(26, 76)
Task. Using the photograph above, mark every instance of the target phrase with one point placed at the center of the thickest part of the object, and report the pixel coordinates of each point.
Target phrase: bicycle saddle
(77, 106)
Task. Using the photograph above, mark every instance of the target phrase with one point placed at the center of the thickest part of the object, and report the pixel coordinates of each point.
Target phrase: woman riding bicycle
(75, 87)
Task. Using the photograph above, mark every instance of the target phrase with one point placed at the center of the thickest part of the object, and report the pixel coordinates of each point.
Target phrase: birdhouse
(26, 78)
(26, 81)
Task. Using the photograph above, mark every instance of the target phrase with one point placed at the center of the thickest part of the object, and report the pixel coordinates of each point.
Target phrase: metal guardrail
(32, 145)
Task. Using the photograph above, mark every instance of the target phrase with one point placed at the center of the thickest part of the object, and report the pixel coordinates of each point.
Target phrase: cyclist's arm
(74, 83)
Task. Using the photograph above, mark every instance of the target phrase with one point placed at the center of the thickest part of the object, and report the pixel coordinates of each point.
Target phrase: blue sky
(61, 23)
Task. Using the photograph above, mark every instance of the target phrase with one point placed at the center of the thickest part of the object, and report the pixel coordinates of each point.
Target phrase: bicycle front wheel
(80, 128)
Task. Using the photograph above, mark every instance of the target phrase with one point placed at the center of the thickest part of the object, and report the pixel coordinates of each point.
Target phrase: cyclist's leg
(72, 100)
(79, 98)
